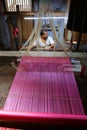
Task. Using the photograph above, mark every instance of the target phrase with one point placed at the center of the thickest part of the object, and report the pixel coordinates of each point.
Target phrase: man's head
(44, 34)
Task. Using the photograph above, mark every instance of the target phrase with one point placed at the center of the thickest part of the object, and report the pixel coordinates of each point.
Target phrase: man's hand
(47, 48)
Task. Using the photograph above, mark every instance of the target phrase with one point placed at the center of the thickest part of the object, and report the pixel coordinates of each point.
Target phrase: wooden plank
(43, 53)
(27, 13)
(27, 27)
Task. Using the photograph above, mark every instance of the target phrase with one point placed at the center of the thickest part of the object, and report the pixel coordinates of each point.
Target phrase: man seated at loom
(45, 41)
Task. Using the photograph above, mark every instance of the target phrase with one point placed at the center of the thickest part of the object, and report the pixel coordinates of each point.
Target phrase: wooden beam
(27, 13)
(42, 54)
(20, 13)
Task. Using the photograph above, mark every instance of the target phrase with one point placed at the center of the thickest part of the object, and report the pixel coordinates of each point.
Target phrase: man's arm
(51, 41)
(49, 47)
(31, 47)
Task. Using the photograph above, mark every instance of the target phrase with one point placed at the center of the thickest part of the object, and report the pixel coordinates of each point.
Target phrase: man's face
(45, 35)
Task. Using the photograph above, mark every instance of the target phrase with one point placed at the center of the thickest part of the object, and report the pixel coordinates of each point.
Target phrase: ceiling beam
(27, 13)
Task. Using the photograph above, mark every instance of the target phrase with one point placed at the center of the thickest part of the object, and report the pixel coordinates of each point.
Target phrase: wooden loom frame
(43, 53)
(40, 120)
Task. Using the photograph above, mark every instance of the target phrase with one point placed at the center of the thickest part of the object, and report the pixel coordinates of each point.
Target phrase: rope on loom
(55, 36)
(43, 6)
(53, 28)
(32, 37)
(37, 29)
(45, 10)
(62, 38)
(37, 34)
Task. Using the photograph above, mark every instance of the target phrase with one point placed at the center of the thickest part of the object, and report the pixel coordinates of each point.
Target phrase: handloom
(43, 92)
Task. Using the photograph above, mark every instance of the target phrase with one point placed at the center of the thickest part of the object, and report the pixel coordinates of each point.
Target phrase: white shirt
(49, 41)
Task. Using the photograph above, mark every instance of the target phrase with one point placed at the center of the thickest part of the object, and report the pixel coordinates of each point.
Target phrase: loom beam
(42, 118)
(44, 53)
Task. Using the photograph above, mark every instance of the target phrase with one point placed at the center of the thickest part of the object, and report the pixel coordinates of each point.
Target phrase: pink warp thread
(41, 85)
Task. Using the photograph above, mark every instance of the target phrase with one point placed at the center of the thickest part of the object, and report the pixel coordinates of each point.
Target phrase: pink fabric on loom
(42, 85)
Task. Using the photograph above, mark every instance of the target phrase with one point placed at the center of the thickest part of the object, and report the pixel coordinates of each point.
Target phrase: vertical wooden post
(79, 40)
(20, 31)
(71, 41)
(17, 8)
(11, 36)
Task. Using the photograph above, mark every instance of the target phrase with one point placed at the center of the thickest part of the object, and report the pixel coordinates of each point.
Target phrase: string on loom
(45, 10)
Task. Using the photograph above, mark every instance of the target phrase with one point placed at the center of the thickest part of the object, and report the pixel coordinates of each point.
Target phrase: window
(23, 5)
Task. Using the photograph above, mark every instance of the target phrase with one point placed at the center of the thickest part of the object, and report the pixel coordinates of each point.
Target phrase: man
(46, 42)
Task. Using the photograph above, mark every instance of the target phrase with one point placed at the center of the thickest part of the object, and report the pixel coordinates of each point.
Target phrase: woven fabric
(41, 84)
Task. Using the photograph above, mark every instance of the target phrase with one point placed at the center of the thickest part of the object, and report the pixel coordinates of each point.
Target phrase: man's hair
(42, 32)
